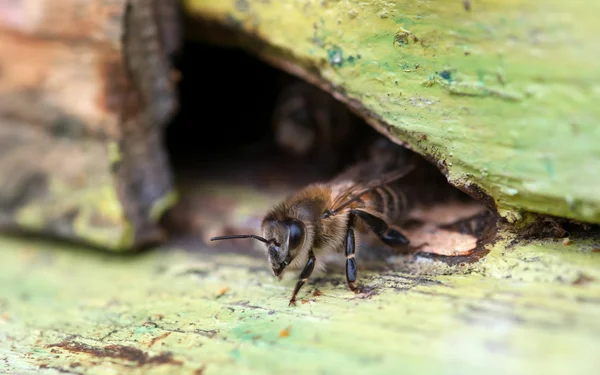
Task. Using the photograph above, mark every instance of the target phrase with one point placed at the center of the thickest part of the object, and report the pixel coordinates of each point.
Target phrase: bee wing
(361, 187)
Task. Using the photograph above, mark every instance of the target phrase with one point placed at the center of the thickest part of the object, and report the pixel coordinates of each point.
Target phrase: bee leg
(350, 255)
(389, 235)
(304, 275)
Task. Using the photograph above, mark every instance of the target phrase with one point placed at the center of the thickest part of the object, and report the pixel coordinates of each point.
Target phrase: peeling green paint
(92, 212)
(519, 114)
(335, 56)
(162, 205)
(30, 217)
(472, 88)
(531, 307)
(114, 153)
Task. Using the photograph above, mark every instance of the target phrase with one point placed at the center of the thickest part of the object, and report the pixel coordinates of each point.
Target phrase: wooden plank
(527, 309)
(502, 94)
(85, 93)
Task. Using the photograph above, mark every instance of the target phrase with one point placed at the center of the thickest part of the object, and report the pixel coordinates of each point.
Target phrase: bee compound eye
(296, 234)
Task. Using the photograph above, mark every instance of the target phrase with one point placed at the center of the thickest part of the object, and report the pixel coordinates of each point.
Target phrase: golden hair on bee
(330, 218)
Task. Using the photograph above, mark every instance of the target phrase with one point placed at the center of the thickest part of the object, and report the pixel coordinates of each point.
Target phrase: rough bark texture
(502, 94)
(85, 92)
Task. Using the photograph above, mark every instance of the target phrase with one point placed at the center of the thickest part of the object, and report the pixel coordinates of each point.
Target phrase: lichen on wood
(502, 95)
(531, 307)
(85, 92)
(191, 308)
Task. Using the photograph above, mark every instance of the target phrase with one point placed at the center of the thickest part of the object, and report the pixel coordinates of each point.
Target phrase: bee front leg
(304, 275)
(350, 255)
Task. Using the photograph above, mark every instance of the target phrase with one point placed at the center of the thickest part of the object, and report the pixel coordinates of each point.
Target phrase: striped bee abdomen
(387, 200)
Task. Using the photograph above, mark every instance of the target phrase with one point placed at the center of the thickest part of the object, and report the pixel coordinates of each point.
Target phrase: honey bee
(332, 217)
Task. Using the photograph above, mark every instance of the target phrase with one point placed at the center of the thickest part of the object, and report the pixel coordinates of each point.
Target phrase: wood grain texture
(528, 309)
(502, 94)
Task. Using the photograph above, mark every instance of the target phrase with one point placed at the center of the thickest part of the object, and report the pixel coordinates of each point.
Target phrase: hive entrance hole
(230, 166)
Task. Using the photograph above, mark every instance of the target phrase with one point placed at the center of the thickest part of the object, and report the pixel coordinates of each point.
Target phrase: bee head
(286, 238)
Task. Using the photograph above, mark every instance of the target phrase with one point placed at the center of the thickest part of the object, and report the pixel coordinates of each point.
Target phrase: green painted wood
(502, 93)
(530, 309)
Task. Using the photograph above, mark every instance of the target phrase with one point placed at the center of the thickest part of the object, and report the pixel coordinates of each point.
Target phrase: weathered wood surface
(85, 92)
(529, 309)
(503, 94)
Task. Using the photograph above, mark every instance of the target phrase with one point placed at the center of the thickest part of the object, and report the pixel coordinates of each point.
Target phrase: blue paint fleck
(235, 353)
(446, 74)
(335, 56)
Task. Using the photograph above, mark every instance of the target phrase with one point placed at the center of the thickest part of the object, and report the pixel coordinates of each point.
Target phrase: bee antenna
(261, 239)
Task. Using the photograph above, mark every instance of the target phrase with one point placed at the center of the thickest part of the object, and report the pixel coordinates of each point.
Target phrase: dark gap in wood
(229, 169)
